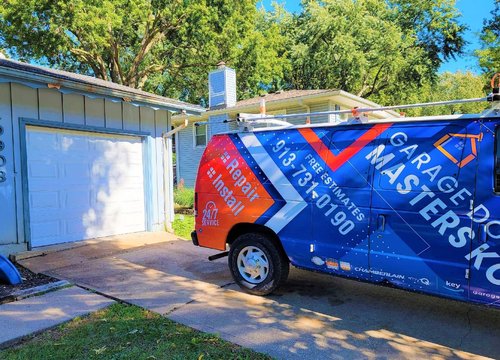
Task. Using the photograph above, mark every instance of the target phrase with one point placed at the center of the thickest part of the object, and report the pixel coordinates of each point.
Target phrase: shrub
(184, 196)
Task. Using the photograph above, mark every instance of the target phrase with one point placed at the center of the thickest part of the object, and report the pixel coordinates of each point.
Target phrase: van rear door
(485, 254)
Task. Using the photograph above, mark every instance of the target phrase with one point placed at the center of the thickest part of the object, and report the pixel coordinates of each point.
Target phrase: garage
(83, 185)
(81, 158)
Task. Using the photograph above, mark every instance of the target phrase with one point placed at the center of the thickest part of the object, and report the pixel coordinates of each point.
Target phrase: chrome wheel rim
(253, 264)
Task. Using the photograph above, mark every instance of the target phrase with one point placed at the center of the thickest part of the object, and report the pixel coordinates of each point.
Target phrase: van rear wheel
(257, 265)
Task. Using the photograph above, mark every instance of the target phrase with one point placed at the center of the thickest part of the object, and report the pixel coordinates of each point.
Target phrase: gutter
(87, 88)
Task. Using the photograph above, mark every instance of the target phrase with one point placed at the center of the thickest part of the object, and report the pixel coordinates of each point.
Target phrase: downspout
(168, 176)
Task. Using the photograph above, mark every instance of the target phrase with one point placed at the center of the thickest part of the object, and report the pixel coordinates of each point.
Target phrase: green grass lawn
(126, 332)
(183, 225)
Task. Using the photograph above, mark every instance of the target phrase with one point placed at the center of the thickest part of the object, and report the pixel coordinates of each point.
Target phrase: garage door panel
(76, 171)
(45, 230)
(42, 169)
(85, 185)
(44, 200)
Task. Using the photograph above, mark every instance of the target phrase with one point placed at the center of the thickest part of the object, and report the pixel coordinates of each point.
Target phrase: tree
(453, 86)
(435, 23)
(166, 46)
(489, 54)
(354, 46)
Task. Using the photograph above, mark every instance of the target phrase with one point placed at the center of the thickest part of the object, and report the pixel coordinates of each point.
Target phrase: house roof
(280, 99)
(280, 95)
(12, 70)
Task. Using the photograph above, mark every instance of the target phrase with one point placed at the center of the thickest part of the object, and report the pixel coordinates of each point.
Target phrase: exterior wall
(18, 101)
(188, 155)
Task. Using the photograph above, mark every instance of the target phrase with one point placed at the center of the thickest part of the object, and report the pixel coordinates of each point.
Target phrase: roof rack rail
(356, 112)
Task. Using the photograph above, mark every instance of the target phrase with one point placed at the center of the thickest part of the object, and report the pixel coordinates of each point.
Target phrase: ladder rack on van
(247, 121)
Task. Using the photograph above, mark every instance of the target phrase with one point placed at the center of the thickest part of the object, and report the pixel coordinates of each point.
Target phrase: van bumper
(194, 238)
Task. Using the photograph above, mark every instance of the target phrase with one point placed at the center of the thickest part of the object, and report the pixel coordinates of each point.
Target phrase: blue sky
(473, 12)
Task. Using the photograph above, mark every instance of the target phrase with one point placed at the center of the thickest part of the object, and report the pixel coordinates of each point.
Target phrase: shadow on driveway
(312, 316)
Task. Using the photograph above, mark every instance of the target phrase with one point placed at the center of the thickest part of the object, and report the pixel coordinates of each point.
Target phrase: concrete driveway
(313, 315)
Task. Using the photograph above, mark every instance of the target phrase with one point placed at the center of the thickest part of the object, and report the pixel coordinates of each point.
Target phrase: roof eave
(101, 90)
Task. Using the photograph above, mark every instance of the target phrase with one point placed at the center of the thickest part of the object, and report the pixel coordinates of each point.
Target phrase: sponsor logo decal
(345, 266)
(379, 273)
(317, 261)
(453, 286)
(332, 264)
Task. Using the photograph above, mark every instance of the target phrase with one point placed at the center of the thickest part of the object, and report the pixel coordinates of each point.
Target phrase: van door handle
(484, 232)
(382, 220)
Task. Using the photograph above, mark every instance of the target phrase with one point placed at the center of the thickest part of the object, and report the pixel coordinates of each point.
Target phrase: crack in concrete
(191, 301)
(469, 330)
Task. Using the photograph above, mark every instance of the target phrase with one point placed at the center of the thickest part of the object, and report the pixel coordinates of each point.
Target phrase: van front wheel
(256, 264)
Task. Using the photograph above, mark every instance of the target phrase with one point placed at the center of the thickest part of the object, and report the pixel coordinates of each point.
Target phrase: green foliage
(126, 332)
(386, 50)
(184, 197)
(183, 225)
(434, 24)
(489, 54)
(370, 47)
(452, 86)
(162, 46)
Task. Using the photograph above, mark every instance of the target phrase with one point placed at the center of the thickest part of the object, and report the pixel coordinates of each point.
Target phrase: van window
(497, 161)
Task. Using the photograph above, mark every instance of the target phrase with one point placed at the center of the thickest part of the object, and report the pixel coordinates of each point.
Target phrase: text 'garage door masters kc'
(83, 185)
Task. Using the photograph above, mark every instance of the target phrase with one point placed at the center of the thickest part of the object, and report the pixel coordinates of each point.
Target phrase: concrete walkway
(312, 316)
(35, 314)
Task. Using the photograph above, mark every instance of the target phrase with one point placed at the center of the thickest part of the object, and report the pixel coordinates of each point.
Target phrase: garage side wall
(18, 101)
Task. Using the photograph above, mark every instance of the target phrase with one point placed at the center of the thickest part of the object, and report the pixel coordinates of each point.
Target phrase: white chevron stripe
(294, 202)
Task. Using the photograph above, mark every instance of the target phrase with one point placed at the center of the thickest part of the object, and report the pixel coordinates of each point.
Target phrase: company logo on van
(210, 215)
(459, 141)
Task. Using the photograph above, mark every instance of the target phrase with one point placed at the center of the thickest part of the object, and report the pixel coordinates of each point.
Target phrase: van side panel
(393, 203)
(423, 193)
(485, 252)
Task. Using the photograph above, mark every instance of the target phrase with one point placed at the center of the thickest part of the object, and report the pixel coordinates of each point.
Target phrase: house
(80, 157)
(191, 141)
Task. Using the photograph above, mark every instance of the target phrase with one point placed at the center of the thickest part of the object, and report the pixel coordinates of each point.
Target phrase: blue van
(411, 203)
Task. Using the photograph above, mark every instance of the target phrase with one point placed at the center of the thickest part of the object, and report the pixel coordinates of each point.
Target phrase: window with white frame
(200, 135)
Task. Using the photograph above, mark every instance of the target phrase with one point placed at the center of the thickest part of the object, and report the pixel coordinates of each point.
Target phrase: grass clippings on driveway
(126, 332)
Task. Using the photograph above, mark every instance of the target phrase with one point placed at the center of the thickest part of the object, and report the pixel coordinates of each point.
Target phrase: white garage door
(83, 185)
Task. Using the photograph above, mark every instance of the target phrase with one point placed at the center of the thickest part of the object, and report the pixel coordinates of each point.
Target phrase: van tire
(252, 254)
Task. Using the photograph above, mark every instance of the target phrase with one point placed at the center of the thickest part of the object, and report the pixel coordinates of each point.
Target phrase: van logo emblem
(210, 215)
(445, 145)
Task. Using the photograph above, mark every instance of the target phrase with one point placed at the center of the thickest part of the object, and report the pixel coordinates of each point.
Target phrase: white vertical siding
(24, 105)
(51, 108)
(94, 112)
(74, 109)
(8, 232)
(131, 117)
(164, 193)
(113, 114)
